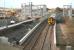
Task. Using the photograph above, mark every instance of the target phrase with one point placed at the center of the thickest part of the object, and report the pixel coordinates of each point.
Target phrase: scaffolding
(67, 11)
(33, 11)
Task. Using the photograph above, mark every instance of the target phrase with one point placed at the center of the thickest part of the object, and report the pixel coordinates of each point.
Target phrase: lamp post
(5, 15)
(4, 7)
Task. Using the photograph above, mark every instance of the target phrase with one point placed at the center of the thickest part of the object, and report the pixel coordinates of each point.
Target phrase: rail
(16, 24)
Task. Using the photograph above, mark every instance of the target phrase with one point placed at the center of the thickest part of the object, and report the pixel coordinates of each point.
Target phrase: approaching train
(58, 17)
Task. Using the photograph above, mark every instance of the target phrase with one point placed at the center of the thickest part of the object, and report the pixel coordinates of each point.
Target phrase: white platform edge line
(18, 23)
(27, 35)
(54, 30)
(9, 26)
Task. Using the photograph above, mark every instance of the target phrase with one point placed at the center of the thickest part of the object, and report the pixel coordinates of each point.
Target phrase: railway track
(41, 39)
(16, 33)
(37, 41)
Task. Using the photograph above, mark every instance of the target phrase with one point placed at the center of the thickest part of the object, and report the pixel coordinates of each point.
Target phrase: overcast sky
(49, 3)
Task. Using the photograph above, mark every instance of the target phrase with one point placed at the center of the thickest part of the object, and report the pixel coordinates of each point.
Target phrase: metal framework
(67, 11)
(31, 10)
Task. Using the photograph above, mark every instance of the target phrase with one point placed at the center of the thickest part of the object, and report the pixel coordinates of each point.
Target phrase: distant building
(51, 10)
(9, 14)
(5, 12)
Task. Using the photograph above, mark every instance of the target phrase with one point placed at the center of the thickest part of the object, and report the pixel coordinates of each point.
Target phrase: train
(58, 18)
